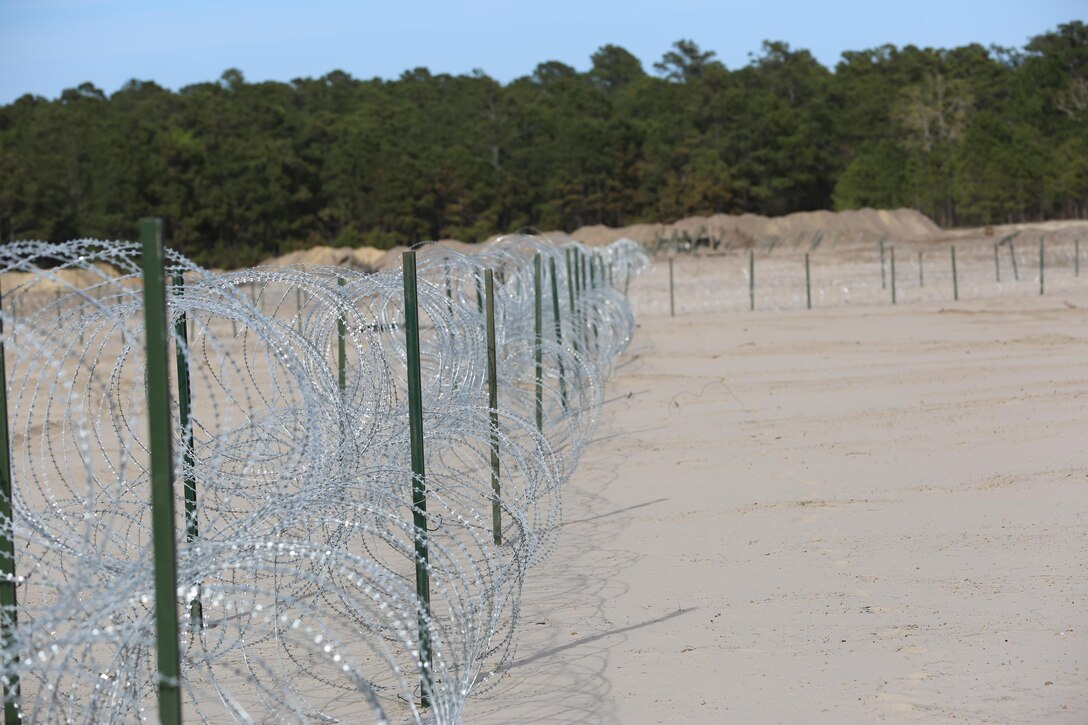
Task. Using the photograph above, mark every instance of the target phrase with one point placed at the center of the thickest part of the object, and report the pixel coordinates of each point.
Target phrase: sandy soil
(856, 513)
(744, 230)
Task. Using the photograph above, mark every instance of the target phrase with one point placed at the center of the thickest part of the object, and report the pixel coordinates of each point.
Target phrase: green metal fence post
(997, 265)
(419, 481)
(341, 333)
(577, 271)
(558, 332)
(672, 292)
(538, 339)
(570, 292)
(1042, 264)
(298, 307)
(808, 284)
(162, 474)
(892, 260)
(751, 279)
(9, 616)
(185, 403)
(449, 300)
(955, 278)
(1012, 256)
(570, 280)
(81, 326)
(493, 405)
(921, 272)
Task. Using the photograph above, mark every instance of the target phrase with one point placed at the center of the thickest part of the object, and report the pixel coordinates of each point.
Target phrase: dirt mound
(745, 230)
(57, 280)
(364, 259)
(392, 258)
(864, 225)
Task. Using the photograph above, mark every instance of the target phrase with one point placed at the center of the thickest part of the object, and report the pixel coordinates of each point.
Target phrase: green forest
(242, 171)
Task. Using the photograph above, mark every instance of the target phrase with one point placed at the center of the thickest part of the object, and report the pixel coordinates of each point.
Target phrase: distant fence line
(886, 273)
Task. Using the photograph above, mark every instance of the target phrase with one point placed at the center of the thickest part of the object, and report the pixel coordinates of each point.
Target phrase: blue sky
(49, 45)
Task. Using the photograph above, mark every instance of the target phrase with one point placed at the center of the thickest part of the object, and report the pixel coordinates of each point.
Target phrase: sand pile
(392, 258)
(363, 259)
(863, 225)
(64, 280)
(746, 230)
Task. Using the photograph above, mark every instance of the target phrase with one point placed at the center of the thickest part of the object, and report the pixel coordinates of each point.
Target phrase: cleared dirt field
(858, 513)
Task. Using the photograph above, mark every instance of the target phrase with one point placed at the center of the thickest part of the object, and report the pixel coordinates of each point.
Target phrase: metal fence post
(558, 331)
(892, 252)
(955, 279)
(493, 405)
(9, 616)
(185, 403)
(1042, 264)
(341, 333)
(570, 291)
(162, 474)
(672, 292)
(298, 307)
(808, 284)
(751, 279)
(538, 340)
(419, 481)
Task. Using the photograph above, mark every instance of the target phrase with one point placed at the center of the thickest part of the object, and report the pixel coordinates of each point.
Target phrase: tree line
(242, 171)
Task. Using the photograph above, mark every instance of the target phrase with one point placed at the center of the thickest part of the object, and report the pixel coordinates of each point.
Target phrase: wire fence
(323, 569)
(871, 275)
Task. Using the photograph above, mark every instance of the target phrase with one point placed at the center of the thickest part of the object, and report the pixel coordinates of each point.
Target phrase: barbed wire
(296, 546)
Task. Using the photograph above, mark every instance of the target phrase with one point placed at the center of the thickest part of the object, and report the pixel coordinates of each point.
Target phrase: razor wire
(294, 530)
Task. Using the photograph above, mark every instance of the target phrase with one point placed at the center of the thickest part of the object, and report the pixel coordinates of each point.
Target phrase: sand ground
(849, 514)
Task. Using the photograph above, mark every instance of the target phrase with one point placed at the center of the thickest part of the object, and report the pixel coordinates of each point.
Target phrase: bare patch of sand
(847, 514)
